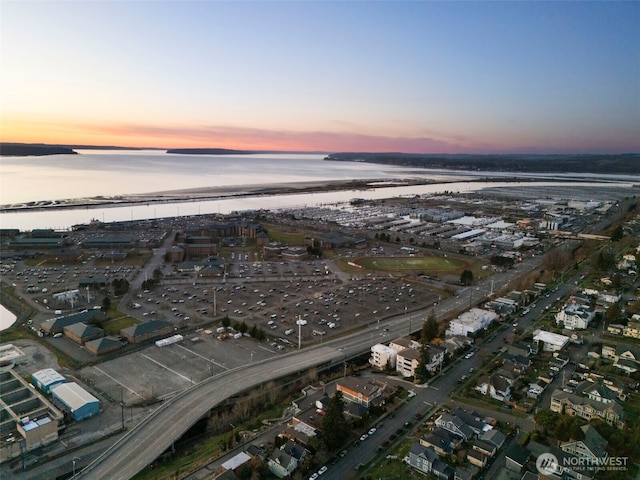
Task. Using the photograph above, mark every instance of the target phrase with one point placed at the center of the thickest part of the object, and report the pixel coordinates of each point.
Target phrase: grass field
(429, 265)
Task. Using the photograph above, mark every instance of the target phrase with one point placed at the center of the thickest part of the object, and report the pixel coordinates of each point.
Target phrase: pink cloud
(253, 138)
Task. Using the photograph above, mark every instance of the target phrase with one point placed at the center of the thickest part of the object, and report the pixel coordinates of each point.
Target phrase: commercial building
(146, 331)
(471, 322)
(550, 342)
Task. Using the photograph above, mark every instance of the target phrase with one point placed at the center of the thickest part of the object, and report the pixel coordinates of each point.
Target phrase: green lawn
(429, 264)
(113, 327)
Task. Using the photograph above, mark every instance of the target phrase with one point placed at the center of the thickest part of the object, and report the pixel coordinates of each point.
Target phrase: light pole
(73, 462)
(252, 356)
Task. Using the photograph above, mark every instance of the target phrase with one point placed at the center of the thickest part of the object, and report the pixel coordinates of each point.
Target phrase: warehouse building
(80, 403)
(147, 330)
(46, 379)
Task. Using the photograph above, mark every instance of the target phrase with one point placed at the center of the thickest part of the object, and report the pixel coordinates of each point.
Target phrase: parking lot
(157, 372)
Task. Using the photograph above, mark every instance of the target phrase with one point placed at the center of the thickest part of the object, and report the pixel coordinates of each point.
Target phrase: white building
(471, 321)
(551, 342)
(575, 316)
(382, 356)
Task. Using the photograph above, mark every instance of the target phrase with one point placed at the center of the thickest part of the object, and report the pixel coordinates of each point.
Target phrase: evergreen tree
(617, 234)
(466, 277)
(430, 328)
(334, 425)
(422, 374)
(106, 304)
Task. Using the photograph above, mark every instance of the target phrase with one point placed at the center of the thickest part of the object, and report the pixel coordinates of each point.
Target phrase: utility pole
(121, 408)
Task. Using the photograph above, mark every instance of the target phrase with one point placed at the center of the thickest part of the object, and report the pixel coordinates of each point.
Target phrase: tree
(613, 313)
(120, 286)
(466, 277)
(430, 328)
(226, 321)
(334, 425)
(106, 304)
(617, 234)
(605, 260)
(422, 374)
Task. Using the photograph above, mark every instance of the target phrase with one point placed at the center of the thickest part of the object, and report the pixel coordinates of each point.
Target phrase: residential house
(564, 402)
(455, 425)
(516, 457)
(615, 329)
(597, 391)
(281, 464)
(537, 388)
(568, 466)
(625, 357)
(435, 357)
(476, 458)
(495, 437)
(495, 386)
(592, 447)
(296, 450)
(473, 420)
(516, 363)
(426, 460)
(484, 448)
(236, 462)
(355, 390)
(468, 473)
(442, 441)
(575, 316)
(632, 329)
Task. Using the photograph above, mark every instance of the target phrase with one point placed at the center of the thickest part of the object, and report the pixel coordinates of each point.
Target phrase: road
(148, 440)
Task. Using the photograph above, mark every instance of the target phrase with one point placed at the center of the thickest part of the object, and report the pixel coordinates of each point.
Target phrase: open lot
(155, 372)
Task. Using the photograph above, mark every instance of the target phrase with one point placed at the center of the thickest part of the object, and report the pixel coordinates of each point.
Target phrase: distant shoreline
(207, 193)
(237, 191)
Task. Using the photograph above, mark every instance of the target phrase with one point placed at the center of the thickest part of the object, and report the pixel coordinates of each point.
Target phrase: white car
(322, 470)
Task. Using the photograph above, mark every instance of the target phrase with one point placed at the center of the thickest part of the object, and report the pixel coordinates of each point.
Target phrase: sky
(327, 76)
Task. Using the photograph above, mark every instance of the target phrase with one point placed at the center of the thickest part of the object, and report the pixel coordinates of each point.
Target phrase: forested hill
(36, 149)
(228, 151)
(611, 164)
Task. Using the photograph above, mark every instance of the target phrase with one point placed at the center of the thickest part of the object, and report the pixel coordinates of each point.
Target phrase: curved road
(148, 440)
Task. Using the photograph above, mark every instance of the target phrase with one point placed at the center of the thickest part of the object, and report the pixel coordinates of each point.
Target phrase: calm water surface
(108, 173)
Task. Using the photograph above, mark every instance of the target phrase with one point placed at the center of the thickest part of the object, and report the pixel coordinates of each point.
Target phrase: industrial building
(27, 419)
(46, 379)
(80, 403)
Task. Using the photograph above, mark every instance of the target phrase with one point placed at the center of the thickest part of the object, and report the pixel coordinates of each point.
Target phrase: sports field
(429, 265)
